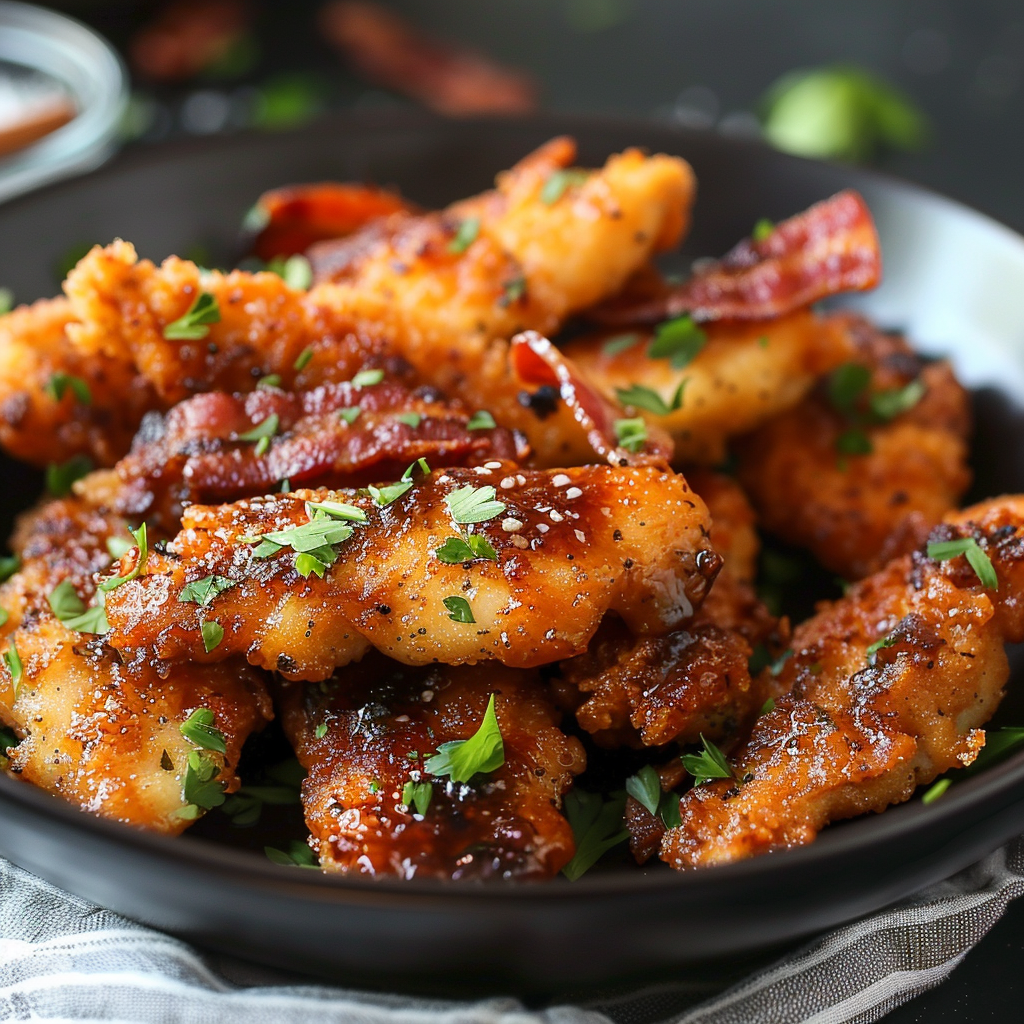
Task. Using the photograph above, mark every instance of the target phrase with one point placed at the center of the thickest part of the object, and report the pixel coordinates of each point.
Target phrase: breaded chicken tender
(367, 734)
(862, 469)
(886, 689)
(554, 553)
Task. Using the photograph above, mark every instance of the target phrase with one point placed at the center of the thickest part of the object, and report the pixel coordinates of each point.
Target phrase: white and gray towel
(62, 959)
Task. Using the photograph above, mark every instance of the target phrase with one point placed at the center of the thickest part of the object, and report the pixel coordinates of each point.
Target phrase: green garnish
(60, 476)
(887, 405)
(513, 291)
(337, 510)
(367, 378)
(558, 182)
(213, 633)
(410, 419)
(9, 565)
(885, 641)
(631, 434)
(320, 731)
(768, 706)
(118, 547)
(481, 420)
(13, 662)
(303, 359)
(470, 504)
(640, 397)
(272, 380)
(392, 492)
(198, 729)
(350, 414)
(854, 442)
(194, 324)
(979, 561)
(8, 739)
(483, 752)
(72, 611)
(60, 382)
(245, 806)
(709, 764)
(294, 270)
(935, 791)
(645, 786)
(846, 384)
(762, 229)
(298, 855)
(465, 236)
(620, 343)
(203, 591)
(315, 542)
(6, 300)
(417, 795)
(597, 826)
(457, 550)
(142, 543)
(678, 340)
(458, 609)
(4, 616)
(262, 433)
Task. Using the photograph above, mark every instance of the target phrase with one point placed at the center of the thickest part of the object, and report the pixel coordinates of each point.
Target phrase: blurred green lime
(842, 113)
(288, 100)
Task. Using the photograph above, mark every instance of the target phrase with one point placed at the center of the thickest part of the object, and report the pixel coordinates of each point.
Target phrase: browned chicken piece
(860, 728)
(366, 734)
(218, 447)
(42, 418)
(555, 551)
(105, 735)
(860, 475)
(448, 287)
(742, 375)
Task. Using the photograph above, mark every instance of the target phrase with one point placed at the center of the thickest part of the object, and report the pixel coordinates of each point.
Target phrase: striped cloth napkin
(62, 959)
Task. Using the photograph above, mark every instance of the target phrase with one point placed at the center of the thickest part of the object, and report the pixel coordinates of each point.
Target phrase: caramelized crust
(856, 512)
(854, 733)
(570, 546)
(380, 722)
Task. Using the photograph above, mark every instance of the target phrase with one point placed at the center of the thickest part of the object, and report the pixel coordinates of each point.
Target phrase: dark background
(705, 63)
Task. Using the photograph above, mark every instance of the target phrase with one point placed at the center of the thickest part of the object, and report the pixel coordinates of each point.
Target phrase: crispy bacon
(830, 248)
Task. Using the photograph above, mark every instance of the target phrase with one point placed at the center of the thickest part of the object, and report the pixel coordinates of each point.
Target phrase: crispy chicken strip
(569, 546)
(206, 450)
(857, 732)
(745, 373)
(853, 486)
(366, 733)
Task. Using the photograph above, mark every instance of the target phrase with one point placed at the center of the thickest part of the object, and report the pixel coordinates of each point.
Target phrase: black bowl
(953, 280)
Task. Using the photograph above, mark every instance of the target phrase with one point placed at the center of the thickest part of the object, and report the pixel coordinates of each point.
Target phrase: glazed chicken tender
(886, 689)
(374, 809)
(554, 552)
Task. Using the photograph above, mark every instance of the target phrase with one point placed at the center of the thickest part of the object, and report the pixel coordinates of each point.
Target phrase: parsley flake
(392, 492)
(620, 343)
(6, 300)
(320, 731)
(350, 414)
(142, 543)
(295, 271)
(979, 561)
(118, 547)
(367, 378)
(709, 764)
(303, 359)
(298, 855)
(640, 397)
(645, 787)
(71, 610)
(935, 791)
(558, 182)
(272, 380)
(202, 592)
(194, 324)
(469, 504)
(846, 384)
(13, 662)
(768, 706)
(458, 609)
(631, 434)
(61, 476)
(262, 433)
(481, 420)
(9, 565)
(416, 795)
(60, 383)
(597, 826)
(410, 419)
(467, 234)
(198, 729)
(457, 550)
(483, 752)
(512, 291)
(678, 340)
(762, 229)
(887, 405)
(213, 633)
(854, 442)
(885, 641)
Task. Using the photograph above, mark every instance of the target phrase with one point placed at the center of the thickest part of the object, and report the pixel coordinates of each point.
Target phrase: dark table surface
(707, 62)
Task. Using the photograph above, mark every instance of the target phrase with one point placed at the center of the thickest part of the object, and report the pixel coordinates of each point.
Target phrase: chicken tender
(366, 735)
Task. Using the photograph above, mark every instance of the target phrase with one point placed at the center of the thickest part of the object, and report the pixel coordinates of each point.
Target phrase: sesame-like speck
(573, 492)
(493, 465)
(560, 480)
(520, 479)
(510, 525)
(556, 517)
(402, 718)
(481, 471)
(543, 527)
(519, 541)
(444, 479)
(507, 482)
(580, 536)
(427, 696)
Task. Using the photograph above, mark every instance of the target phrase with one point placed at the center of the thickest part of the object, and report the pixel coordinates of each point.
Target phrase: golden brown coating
(39, 427)
(332, 436)
(746, 373)
(857, 732)
(380, 722)
(570, 546)
(854, 512)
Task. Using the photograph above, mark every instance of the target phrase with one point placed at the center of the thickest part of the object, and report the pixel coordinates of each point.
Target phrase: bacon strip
(535, 360)
(830, 248)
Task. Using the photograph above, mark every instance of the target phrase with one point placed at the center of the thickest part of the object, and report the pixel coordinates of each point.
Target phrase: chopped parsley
(558, 182)
(597, 826)
(762, 229)
(768, 706)
(295, 271)
(298, 855)
(645, 787)
(142, 543)
(60, 476)
(194, 324)
(942, 551)
(885, 641)
(846, 384)
(469, 504)
(481, 420)
(854, 442)
(303, 359)
(935, 791)
(6, 300)
(887, 405)
(315, 542)
(457, 550)
(483, 752)
(367, 378)
(458, 609)
(9, 565)
(678, 340)
(349, 414)
(203, 591)
(13, 662)
(272, 380)
(631, 434)
(213, 633)
(465, 236)
(392, 492)
(262, 433)
(320, 731)
(198, 729)
(410, 419)
(640, 397)
(416, 795)
(513, 291)
(620, 343)
(60, 383)
(4, 616)
(118, 547)
(72, 611)
(709, 764)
